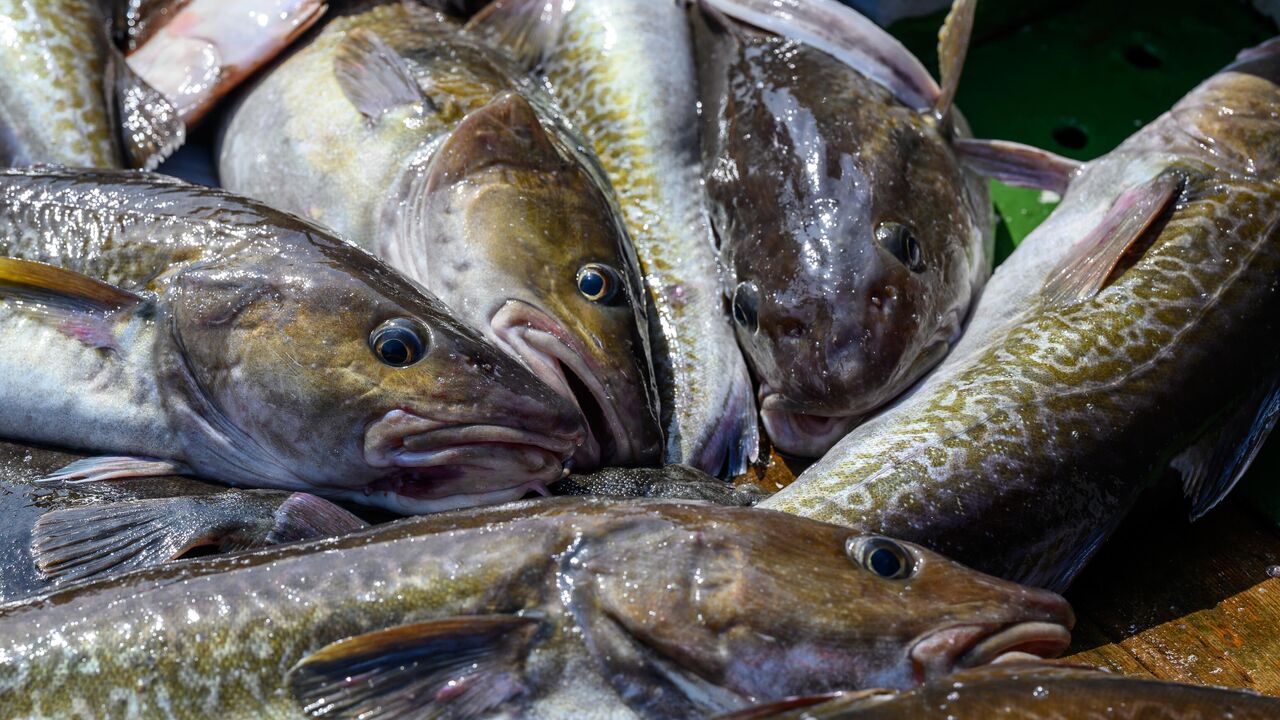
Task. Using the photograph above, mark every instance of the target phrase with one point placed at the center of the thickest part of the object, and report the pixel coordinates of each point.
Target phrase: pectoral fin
(373, 76)
(846, 35)
(116, 537)
(56, 287)
(457, 667)
(1016, 164)
(953, 45)
(110, 467)
(1212, 467)
(1084, 272)
(527, 29)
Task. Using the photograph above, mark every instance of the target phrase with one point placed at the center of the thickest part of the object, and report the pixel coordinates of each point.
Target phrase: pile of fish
(440, 255)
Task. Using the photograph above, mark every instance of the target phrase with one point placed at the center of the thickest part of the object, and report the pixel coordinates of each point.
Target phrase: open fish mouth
(546, 348)
(438, 465)
(968, 646)
(798, 433)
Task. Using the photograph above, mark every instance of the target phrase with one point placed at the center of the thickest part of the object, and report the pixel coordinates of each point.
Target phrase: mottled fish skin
(639, 610)
(472, 184)
(624, 70)
(821, 182)
(1022, 452)
(1043, 692)
(53, 85)
(249, 358)
(247, 518)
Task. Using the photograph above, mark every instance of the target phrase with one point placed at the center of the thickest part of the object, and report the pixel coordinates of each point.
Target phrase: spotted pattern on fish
(53, 82)
(1093, 395)
(640, 116)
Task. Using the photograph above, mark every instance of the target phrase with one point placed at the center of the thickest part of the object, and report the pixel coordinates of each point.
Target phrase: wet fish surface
(669, 481)
(854, 239)
(1042, 692)
(176, 328)
(67, 97)
(624, 70)
(1134, 330)
(426, 146)
(540, 609)
(65, 531)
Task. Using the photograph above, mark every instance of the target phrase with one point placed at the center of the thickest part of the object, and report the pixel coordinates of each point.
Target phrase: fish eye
(882, 556)
(598, 283)
(746, 306)
(398, 342)
(902, 244)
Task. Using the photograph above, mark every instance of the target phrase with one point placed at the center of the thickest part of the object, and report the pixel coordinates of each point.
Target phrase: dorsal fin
(373, 76)
(953, 45)
(527, 29)
(846, 35)
(57, 287)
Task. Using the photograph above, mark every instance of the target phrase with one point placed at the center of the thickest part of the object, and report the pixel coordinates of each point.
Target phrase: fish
(67, 96)
(172, 328)
(1023, 690)
(1134, 331)
(425, 146)
(545, 608)
(677, 481)
(624, 71)
(194, 52)
(855, 239)
(56, 533)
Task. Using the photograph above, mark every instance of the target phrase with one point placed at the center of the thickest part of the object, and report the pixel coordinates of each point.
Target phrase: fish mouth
(969, 646)
(441, 465)
(548, 350)
(797, 433)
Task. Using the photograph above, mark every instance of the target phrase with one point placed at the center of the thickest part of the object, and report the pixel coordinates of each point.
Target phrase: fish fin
(953, 45)
(109, 467)
(1084, 272)
(527, 29)
(1215, 463)
(149, 125)
(846, 35)
(56, 287)
(374, 77)
(1017, 164)
(459, 667)
(303, 516)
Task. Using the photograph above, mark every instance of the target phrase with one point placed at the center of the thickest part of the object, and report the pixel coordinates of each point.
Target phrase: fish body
(424, 145)
(171, 327)
(554, 608)
(624, 71)
(855, 241)
(1134, 329)
(1044, 692)
(55, 532)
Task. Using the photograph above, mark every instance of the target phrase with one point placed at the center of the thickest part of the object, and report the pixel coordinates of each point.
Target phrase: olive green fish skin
(732, 605)
(478, 189)
(249, 359)
(24, 500)
(53, 93)
(1024, 449)
(641, 117)
(819, 180)
(1001, 692)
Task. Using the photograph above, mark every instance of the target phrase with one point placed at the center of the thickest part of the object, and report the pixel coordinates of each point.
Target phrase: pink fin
(110, 467)
(1017, 164)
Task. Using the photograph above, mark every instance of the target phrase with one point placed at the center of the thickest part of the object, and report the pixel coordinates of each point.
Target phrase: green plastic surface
(1078, 78)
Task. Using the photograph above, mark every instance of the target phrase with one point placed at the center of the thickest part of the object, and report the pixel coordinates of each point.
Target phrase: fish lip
(966, 646)
(428, 460)
(786, 427)
(548, 350)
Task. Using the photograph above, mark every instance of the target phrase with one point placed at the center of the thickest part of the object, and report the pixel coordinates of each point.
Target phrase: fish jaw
(549, 351)
(798, 433)
(437, 465)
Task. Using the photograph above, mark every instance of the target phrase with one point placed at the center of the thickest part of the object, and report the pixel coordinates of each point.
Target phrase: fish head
(764, 605)
(519, 235)
(316, 367)
(849, 230)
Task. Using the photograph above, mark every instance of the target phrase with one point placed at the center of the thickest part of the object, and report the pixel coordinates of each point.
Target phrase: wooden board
(1187, 602)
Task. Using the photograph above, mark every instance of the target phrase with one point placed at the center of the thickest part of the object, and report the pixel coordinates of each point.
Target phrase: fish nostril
(792, 328)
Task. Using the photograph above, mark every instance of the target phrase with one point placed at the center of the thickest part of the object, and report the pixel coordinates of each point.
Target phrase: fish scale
(641, 118)
(1048, 419)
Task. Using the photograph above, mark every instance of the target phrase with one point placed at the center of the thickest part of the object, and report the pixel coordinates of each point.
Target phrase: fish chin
(441, 465)
(966, 646)
(801, 434)
(545, 346)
